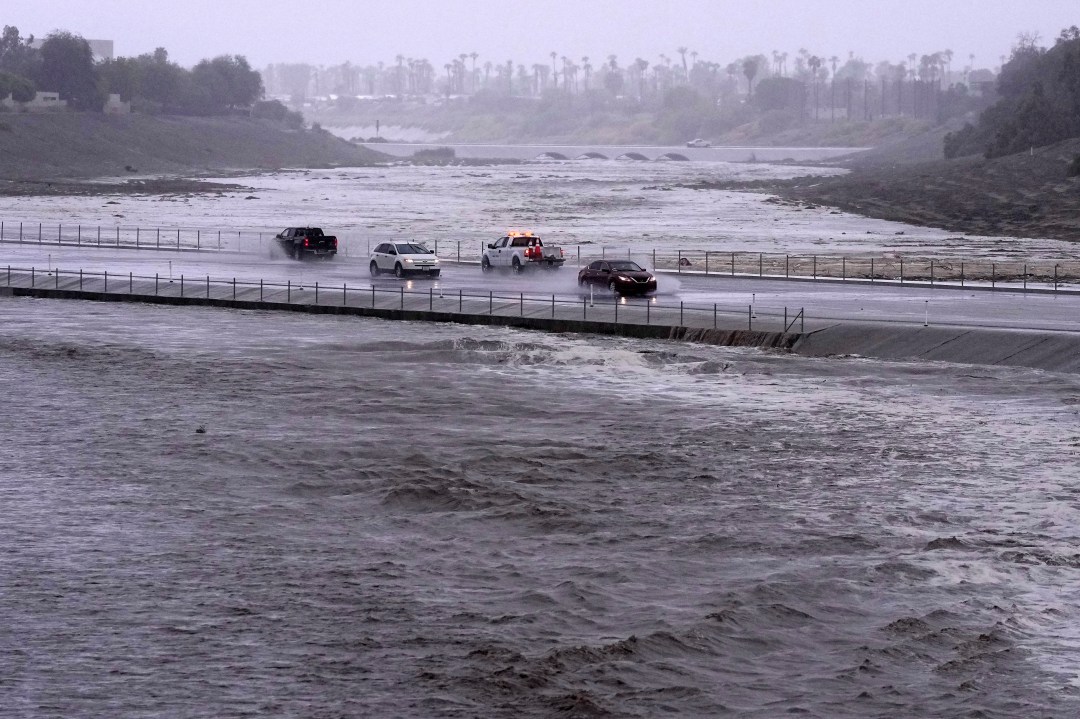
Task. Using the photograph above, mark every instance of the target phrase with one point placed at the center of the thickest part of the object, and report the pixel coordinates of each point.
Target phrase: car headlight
(409, 260)
(622, 278)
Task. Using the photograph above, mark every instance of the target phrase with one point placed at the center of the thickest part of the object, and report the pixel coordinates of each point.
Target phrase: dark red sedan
(623, 277)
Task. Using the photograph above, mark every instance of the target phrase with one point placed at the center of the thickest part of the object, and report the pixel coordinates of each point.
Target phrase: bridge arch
(631, 156)
(593, 155)
(551, 155)
(676, 156)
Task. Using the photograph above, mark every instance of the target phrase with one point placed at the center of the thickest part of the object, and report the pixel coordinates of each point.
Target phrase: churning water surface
(214, 513)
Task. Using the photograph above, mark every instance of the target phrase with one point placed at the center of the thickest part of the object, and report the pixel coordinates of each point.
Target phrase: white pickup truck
(519, 250)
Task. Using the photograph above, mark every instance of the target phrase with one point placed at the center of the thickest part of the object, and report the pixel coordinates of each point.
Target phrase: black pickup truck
(301, 242)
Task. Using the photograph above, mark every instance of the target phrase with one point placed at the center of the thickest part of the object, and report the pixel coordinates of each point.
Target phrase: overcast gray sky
(328, 32)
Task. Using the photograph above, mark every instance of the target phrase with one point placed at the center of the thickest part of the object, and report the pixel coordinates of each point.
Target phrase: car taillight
(305, 242)
(335, 242)
(528, 251)
(561, 253)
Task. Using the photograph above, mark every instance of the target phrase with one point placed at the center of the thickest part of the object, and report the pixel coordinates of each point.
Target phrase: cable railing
(648, 311)
(891, 268)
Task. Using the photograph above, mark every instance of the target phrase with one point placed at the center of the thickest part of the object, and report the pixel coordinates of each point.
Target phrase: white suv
(404, 258)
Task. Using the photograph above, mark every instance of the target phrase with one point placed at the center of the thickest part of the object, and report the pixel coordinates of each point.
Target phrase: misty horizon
(335, 33)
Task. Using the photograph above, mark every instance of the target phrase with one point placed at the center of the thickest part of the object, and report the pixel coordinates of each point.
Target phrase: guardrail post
(459, 251)
(208, 287)
(181, 285)
(760, 264)
(39, 233)
(680, 262)
(403, 298)
(787, 267)
(714, 315)
(178, 238)
(616, 310)
(901, 270)
(198, 239)
(78, 236)
(648, 307)
(843, 269)
(680, 313)
(553, 307)
(706, 262)
(584, 309)
(802, 320)
(288, 292)
(961, 274)
(155, 282)
(431, 296)
(80, 280)
(871, 270)
(732, 264)
(137, 238)
(316, 293)
(234, 289)
(344, 295)
(815, 267)
(260, 290)
(490, 310)
(460, 301)
(993, 275)
(931, 273)
(59, 234)
(522, 300)
(653, 259)
(131, 282)
(106, 279)
(785, 318)
(749, 317)
(1025, 277)
(1055, 278)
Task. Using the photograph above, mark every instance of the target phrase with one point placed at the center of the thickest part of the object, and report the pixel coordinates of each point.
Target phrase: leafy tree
(67, 67)
(780, 93)
(226, 82)
(20, 89)
(17, 55)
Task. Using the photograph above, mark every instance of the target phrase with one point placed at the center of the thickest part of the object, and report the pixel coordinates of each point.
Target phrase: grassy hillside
(80, 145)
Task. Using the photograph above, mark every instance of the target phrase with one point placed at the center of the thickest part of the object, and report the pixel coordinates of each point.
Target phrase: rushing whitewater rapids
(400, 520)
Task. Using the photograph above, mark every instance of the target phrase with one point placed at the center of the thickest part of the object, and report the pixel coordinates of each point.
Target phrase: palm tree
(682, 53)
(588, 69)
(750, 68)
(641, 65)
(554, 71)
(473, 56)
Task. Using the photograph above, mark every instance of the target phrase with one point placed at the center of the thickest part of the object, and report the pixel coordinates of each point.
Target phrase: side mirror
(491, 246)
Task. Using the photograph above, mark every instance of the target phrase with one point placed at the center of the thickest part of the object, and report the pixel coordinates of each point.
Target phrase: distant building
(115, 106)
(42, 102)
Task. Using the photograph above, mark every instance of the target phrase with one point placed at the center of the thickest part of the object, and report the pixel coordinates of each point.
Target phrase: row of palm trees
(465, 75)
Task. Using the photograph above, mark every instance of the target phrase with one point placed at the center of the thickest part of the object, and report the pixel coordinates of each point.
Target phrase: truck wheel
(399, 271)
(517, 265)
(374, 268)
(485, 264)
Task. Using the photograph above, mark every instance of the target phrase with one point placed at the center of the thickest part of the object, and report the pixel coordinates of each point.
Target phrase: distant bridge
(641, 153)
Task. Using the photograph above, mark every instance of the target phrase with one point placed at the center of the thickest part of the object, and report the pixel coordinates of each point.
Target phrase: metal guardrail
(891, 268)
(618, 310)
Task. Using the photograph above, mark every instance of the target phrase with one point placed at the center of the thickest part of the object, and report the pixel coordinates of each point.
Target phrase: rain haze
(325, 33)
(577, 360)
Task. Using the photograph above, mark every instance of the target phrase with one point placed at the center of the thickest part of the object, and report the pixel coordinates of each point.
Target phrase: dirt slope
(78, 145)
